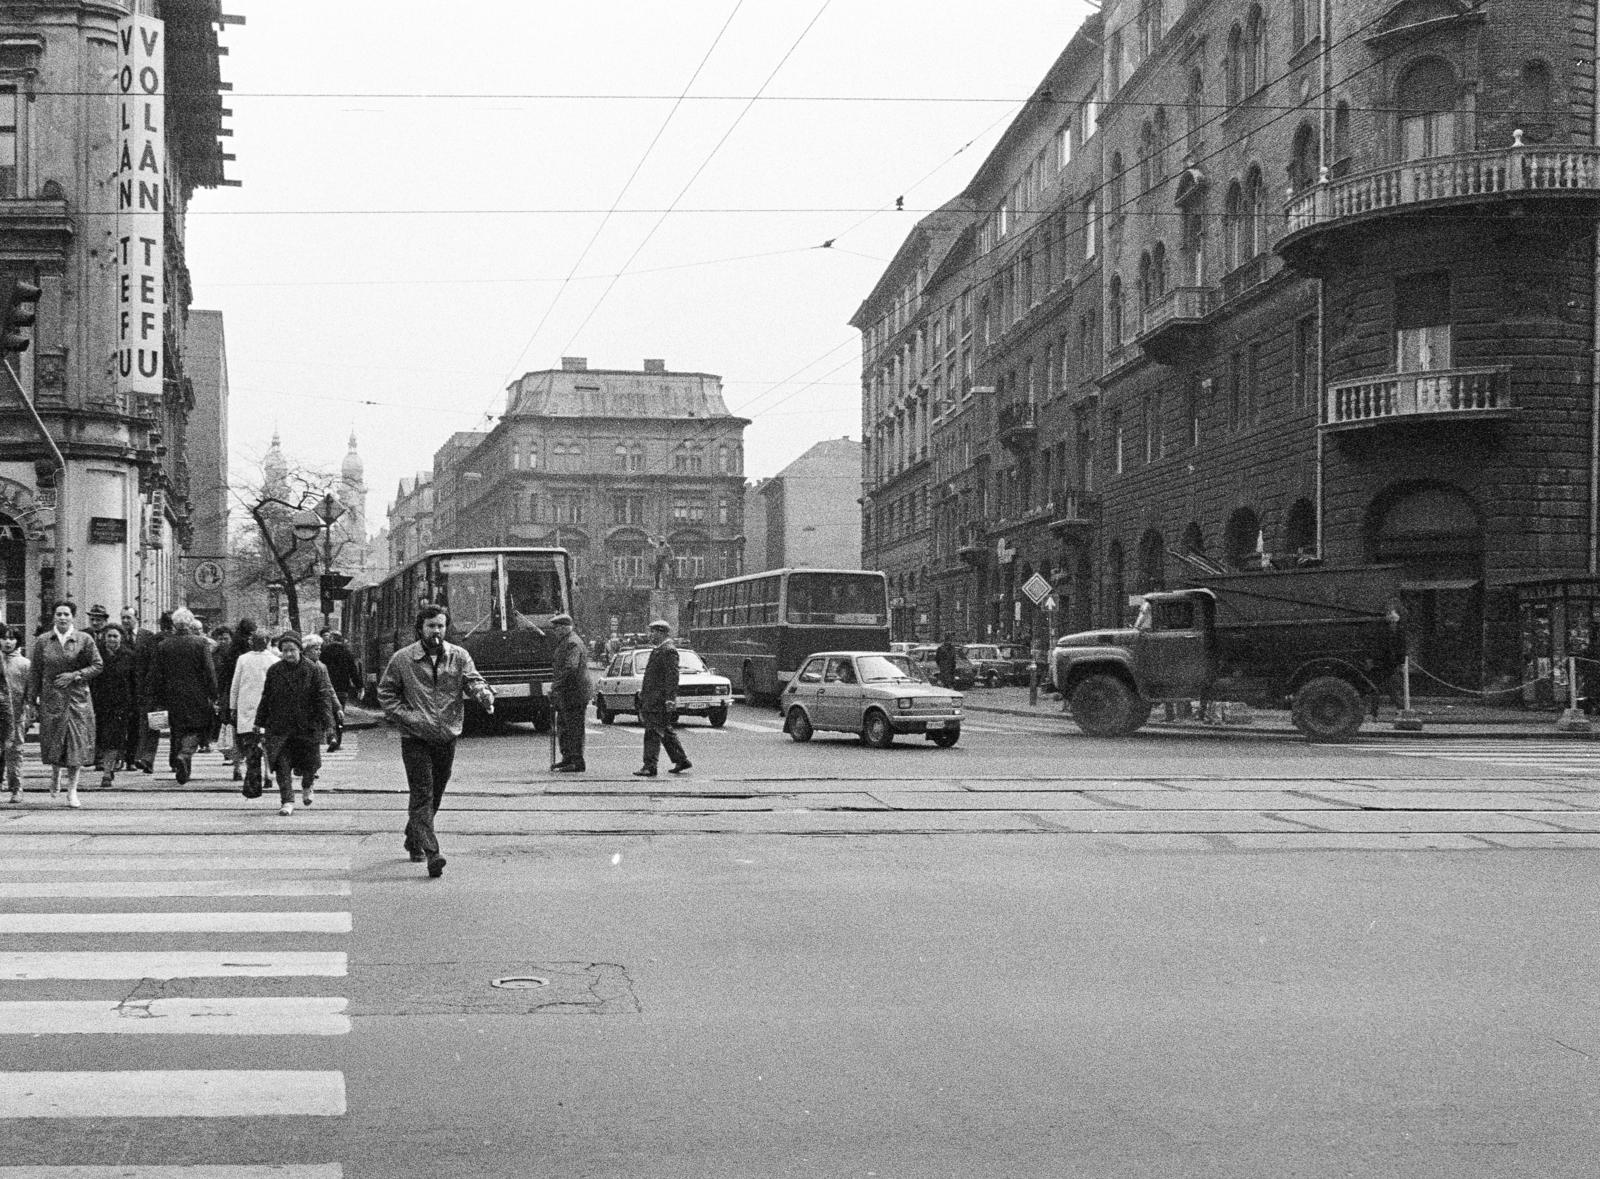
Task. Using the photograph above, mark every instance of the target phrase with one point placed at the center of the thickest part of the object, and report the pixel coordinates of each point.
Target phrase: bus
(500, 602)
(758, 629)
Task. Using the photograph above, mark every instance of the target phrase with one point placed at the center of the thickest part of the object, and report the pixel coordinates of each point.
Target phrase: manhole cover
(519, 982)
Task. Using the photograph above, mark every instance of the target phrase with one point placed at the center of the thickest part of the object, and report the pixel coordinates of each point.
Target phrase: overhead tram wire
(622, 192)
(716, 147)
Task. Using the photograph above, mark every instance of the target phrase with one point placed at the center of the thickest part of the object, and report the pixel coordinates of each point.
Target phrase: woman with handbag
(244, 697)
(65, 659)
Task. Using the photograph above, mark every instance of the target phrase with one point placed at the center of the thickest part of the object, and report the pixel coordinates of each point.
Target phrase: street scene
(865, 589)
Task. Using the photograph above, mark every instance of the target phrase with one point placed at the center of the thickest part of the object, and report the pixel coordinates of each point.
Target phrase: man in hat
(99, 619)
(656, 697)
(570, 691)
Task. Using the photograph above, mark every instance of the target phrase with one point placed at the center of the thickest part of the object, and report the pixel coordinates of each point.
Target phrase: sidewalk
(1440, 718)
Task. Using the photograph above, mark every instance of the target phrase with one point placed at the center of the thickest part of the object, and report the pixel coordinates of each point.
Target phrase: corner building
(1294, 282)
(639, 474)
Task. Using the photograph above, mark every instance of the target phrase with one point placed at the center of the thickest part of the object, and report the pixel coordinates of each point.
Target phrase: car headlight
(904, 703)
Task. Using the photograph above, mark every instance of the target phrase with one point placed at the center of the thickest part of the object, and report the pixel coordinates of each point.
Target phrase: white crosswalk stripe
(1571, 756)
(66, 907)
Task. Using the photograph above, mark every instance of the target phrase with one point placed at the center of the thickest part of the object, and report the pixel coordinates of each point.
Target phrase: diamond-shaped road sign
(1037, 588)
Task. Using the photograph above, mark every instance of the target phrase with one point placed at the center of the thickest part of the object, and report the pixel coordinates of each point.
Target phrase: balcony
(1438, 395)
(1174, 325)
(1075, 516)
(1568, 174)
(970, 546)
(1018, 424)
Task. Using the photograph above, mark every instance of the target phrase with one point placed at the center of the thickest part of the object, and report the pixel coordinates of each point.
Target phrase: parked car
(1023, 661)
(700, 691)
(925, 659)
(875, 694)
(990, 665)
(902, 648)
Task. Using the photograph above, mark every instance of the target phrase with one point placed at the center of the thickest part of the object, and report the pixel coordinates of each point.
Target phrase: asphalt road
(1194, 954)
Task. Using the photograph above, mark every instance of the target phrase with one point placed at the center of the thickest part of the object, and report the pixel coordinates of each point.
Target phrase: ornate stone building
(97, 493)
(638, 473)
(1267, 282)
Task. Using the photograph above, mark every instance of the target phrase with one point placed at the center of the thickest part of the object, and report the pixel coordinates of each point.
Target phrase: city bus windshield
(533, 589)
(467, 587)
(837, 599)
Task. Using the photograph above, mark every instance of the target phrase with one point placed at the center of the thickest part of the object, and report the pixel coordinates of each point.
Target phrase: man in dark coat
(183, 680)
(297, 706)
(570, 691)
(944, 657)
(341, 665)
(656, 696)
(115, 695)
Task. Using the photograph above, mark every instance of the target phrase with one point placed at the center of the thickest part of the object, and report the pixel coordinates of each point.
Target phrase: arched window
(622, 456)
(1241, 537)
(1233, 65)
(1152, 563)
(1147, 282)
(1303, 160)
(1114, 311)
(1194, 541)
(1232, 227)
(1147, 157)
(1114, 194)
(1303, 20)
(1300, 532)
(1255, 212)
(1158, 267)
(1534, 105)
(1426, 98)
(1341, 139)
(1255, 66)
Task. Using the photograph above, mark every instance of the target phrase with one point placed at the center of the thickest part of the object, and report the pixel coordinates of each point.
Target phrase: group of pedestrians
(104, 695)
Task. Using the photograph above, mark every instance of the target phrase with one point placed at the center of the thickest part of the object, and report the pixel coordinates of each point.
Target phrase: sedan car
(926, 659)
(989, 664)
(700, 691)
(875, 694)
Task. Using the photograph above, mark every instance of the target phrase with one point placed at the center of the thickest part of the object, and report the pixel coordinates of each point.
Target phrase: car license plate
(939, 724)
(511, 690)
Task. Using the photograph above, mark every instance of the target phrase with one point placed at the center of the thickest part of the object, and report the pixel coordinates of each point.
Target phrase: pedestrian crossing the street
(208, 770)
(99, 952)
(1533, 757)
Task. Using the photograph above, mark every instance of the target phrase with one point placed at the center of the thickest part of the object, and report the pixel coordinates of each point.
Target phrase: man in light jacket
(422, 693)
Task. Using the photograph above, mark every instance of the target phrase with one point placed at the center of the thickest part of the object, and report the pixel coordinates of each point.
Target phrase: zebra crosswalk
(101, 951)
(1531, 756)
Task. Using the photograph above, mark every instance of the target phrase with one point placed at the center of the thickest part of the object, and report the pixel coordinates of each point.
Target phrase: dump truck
(1323, 642)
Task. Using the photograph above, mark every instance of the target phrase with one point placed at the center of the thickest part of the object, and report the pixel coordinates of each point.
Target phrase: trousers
(569, 729)
(658, 735)
(427, 765)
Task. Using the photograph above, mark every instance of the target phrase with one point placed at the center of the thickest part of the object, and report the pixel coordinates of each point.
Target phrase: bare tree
(273, 550)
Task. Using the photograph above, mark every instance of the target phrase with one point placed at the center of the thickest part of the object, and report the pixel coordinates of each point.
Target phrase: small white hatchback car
(876, 694)
(700, 692)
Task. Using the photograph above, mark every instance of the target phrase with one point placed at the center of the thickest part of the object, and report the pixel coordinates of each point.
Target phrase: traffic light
(333, 586)
(17, 299)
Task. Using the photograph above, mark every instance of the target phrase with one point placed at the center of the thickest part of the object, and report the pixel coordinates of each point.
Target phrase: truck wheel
(1328, 709)
(1104, 706)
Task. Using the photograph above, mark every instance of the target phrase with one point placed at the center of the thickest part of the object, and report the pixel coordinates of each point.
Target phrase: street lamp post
(321, 519)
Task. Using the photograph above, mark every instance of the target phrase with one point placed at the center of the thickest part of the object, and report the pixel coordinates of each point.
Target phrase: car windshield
(689, 662)
(878, 669)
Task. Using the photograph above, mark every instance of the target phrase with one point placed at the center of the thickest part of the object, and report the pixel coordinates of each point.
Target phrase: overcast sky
(419, 180)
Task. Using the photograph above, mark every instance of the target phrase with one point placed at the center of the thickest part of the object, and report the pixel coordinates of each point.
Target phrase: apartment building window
(1114, 62)
(689, 459)
(689, 564)
(1149, 27)
(688, 511)
(1064, 145)
(568, 506)
(723, 513)
(1255, 66)
(627, 509)
(622, 456)
(10, 153)
(627, 566)
(1303, 20)
(1255, 212)
(1252, 383)
(1194, 105)
(1114, 187)
(1117, 451)
(1233, 64)
(1305, 362)
(1422, 322)
(1051, 387)
(1236, 389)
(1159, 149)
(1114, 317)
(1427, 98)
(1091, 226)
(1153, 443)
(1233, 227)
(1194, 394)
(533, 508)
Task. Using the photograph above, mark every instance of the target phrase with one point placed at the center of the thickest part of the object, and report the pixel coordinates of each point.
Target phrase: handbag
(227, 739)
(157, 720)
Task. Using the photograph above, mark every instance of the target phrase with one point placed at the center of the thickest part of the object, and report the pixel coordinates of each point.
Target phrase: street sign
(208, 575)
(1037, 588)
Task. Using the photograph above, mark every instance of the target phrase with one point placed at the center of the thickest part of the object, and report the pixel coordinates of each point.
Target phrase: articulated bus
(758, 629)
(500, 603)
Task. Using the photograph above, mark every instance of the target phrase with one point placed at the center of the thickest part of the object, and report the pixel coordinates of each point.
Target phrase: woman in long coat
(65, 659)
(116, 698)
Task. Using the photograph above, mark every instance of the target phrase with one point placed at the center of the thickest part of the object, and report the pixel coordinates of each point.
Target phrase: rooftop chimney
(654, 366)
(574, 364)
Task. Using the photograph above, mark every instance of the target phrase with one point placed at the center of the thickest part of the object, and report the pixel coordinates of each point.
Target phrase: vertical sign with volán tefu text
(141, 196)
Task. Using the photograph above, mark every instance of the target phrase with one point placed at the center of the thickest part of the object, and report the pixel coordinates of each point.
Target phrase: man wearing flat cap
(570, 691)
(656, 697)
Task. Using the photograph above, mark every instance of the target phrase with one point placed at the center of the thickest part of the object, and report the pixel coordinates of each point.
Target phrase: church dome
(352, 469)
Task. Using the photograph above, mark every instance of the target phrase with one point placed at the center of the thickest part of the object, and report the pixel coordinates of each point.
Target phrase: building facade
(1286, 282)
(809, 513)
(639, 474)
(409, 531)
(207, 569)
(110, 118)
